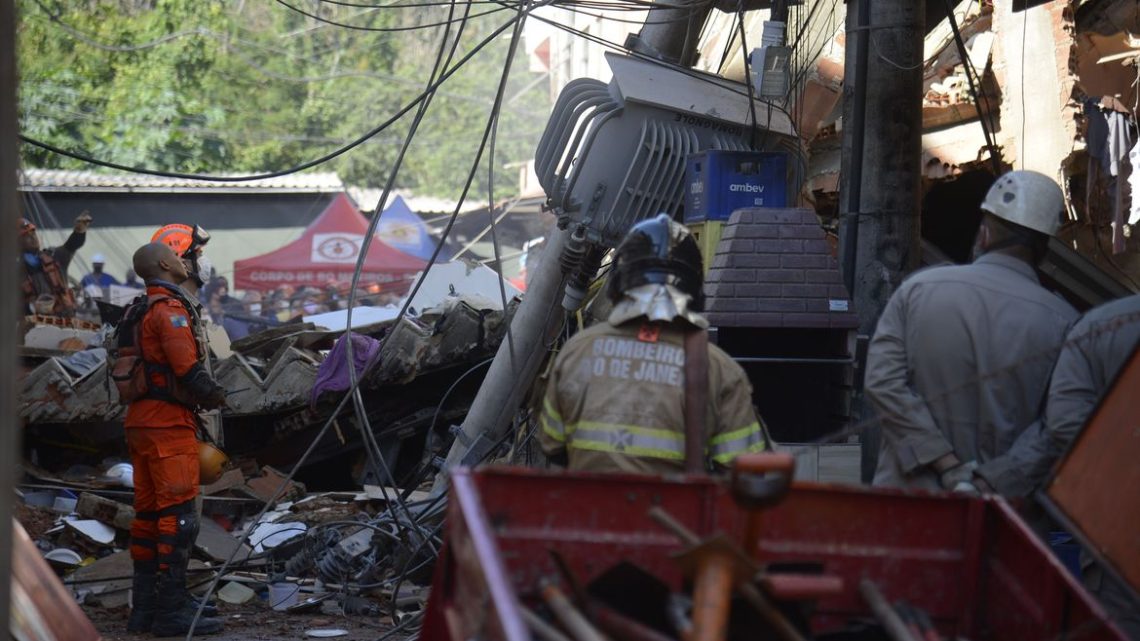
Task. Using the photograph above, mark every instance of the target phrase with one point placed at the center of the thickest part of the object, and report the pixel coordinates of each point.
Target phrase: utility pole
(879, 235)
(10, 298)
(670, 33)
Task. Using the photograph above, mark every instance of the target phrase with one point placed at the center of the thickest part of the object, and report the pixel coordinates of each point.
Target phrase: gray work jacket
(960, 363)
(1095, 350)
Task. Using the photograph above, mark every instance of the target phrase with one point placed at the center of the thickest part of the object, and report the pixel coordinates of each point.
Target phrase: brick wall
(774, 268)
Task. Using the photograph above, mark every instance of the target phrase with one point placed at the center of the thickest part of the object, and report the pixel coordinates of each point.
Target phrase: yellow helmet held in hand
(212, 463)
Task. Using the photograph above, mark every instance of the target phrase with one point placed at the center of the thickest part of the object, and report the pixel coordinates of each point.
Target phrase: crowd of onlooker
(255, 311)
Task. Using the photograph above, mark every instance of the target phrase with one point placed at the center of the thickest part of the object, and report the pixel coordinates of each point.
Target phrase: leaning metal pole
(534, 326)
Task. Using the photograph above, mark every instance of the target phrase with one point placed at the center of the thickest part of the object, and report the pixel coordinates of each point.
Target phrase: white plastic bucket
(283, 595)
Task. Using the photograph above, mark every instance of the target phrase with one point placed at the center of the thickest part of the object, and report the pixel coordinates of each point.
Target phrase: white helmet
(1027, 198)
(99, 258)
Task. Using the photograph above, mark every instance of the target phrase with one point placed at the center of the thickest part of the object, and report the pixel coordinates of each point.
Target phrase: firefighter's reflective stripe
(552, 422)
(628, 439)
(725, 447)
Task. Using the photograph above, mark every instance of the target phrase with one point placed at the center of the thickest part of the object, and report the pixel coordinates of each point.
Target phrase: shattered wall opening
(951, 213)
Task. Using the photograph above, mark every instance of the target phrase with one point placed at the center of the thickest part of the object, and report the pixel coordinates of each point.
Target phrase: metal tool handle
(761, 480)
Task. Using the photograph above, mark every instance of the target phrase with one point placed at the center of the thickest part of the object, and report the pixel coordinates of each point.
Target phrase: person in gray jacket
(1095, 350)
(960, 361)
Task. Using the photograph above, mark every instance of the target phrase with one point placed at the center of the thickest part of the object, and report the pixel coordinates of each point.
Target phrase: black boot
(143, 596)
(211, 609)
(174, 614)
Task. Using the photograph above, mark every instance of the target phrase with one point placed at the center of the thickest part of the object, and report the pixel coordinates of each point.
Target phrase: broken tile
(216, 543)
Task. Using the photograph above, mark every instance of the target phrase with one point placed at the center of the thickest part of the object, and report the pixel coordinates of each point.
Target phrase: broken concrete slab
(93, 530)
(113, 513)
(216, 543)
(104, 579)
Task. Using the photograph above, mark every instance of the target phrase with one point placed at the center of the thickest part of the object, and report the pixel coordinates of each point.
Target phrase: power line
(376, 29)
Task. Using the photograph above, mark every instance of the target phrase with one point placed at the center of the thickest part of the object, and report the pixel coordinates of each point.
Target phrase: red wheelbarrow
(969, 563)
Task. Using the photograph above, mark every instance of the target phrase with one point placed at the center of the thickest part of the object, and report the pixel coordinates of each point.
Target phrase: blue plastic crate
(720, 182)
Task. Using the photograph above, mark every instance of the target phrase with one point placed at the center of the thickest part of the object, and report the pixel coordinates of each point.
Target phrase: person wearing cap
(959, 365)
(97, 277)
(45, 270)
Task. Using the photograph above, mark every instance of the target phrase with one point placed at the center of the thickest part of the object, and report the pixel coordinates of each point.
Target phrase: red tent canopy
(328, 251)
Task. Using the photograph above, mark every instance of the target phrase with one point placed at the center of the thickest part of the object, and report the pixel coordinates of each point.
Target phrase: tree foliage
(244, 86)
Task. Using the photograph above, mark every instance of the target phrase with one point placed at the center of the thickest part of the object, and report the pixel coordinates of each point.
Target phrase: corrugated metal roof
(66, 180)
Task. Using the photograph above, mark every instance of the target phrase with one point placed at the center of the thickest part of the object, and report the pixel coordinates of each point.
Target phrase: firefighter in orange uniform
(189, 242)
(161, 435)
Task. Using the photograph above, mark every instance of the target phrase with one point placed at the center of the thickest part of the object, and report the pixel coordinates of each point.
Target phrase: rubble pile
(273, 409)
(330, 553)
(266, 542)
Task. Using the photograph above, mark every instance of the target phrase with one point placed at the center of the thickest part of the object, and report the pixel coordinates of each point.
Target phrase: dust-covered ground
(256, 622)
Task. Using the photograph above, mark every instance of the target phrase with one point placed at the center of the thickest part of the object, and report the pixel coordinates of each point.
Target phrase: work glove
(203, 389)
(955, 476)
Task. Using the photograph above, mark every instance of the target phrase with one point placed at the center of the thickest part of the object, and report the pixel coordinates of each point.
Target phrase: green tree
(236, 87)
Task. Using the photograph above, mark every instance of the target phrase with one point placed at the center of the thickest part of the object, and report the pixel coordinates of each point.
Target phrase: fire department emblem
(336, 248)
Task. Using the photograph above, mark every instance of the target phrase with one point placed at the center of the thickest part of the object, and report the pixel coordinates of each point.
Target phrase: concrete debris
(478, 283)
(273, 371)
(106, 582)
(114, 513)
(219, 545)
(267, 536)
(235, 593)
(230, 480)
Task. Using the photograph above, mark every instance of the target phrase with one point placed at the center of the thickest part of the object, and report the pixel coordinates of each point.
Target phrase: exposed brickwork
(774, 268)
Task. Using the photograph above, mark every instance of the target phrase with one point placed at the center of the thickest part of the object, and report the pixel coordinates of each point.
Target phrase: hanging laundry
(1134, 183)
(1119, 140)
(1096, 133)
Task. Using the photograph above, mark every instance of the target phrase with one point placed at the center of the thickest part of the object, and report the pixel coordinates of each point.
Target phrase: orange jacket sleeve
(170, 323)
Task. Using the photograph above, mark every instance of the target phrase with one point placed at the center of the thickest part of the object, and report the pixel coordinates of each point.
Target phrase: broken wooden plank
(264, 488)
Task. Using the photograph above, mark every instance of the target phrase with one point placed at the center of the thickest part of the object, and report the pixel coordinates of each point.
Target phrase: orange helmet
(183, 239)
(212, 463)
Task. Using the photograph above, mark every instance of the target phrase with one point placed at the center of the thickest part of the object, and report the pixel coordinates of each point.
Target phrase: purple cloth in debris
(333, 374)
